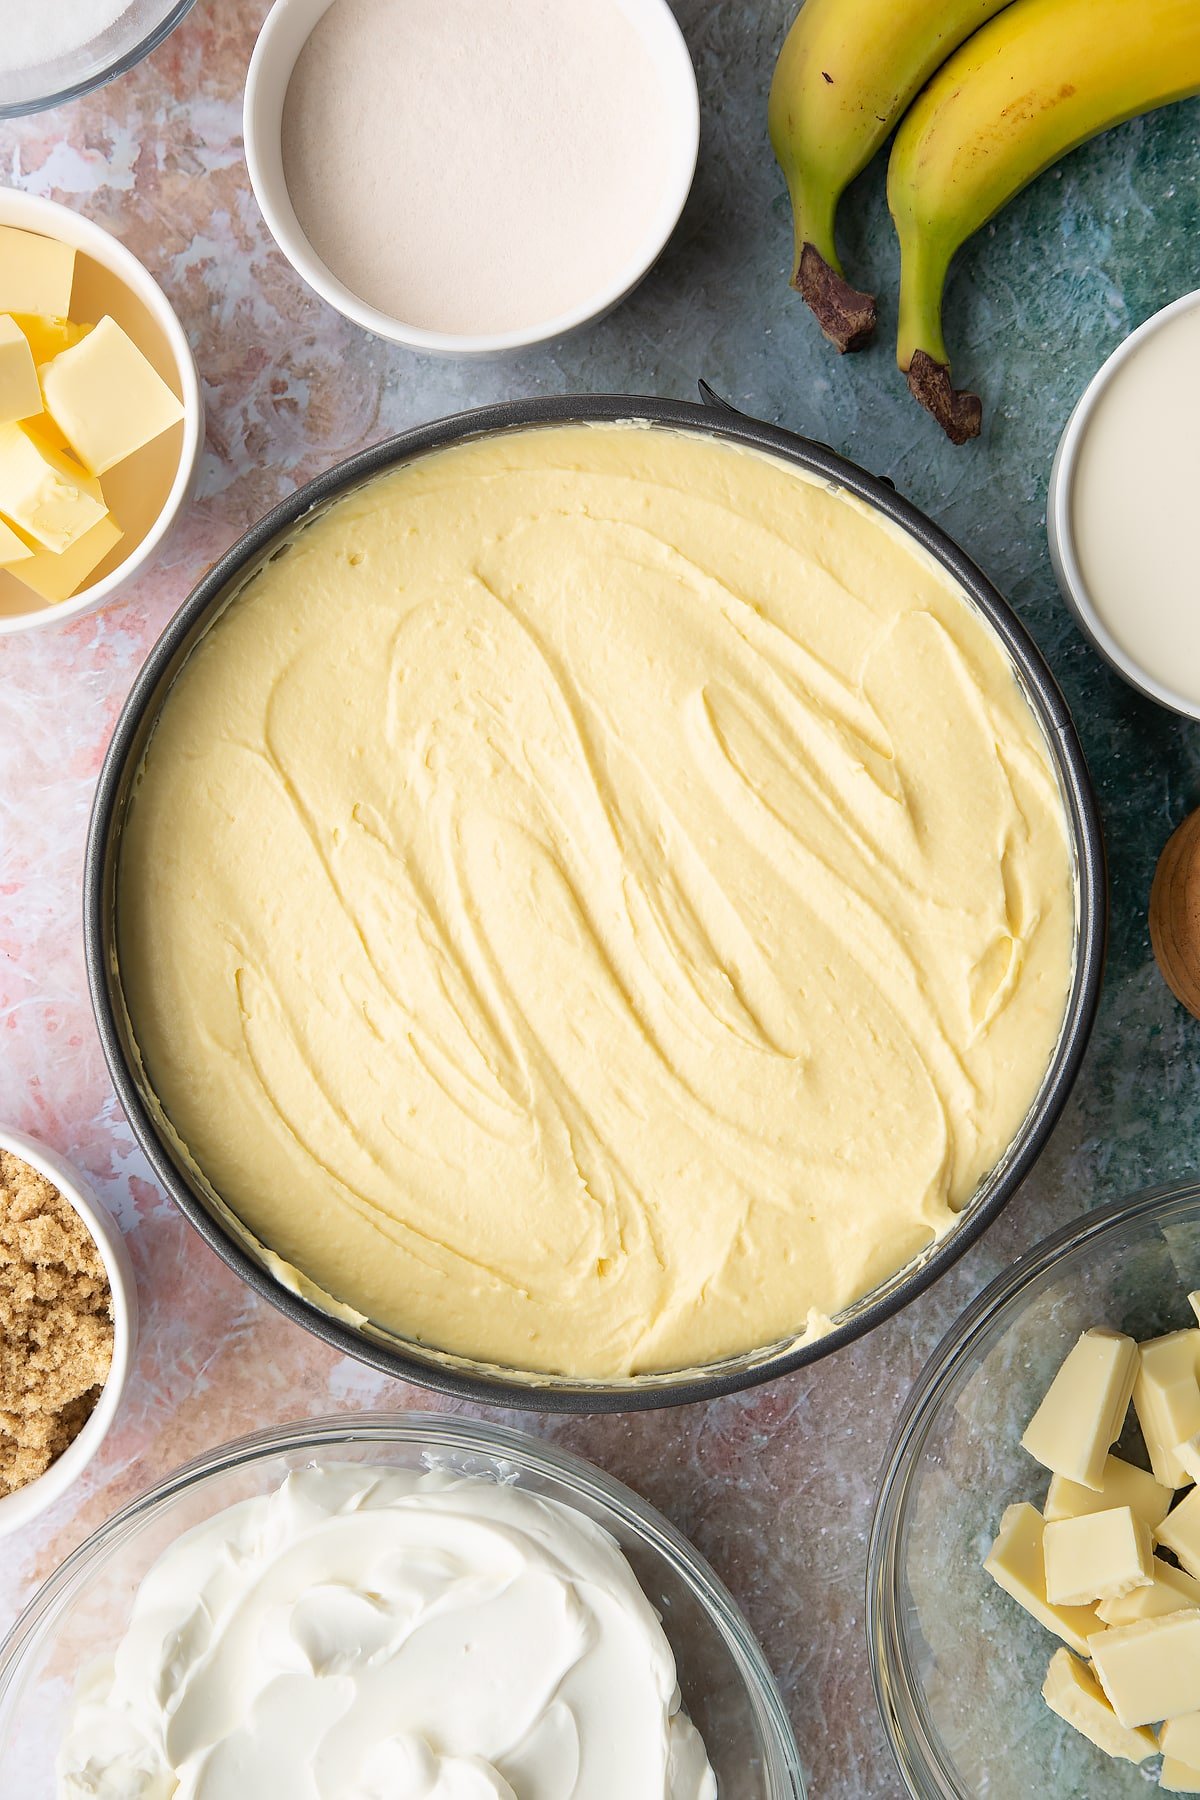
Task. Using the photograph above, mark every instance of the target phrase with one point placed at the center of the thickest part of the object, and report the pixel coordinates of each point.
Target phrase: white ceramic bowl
(18, 1509)
(150, 489)
(289, 25)
(1064, 554)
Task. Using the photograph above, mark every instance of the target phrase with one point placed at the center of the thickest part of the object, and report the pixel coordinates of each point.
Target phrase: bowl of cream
(471, 176)
(403, 1606)
(593, 904)
(1120, 513)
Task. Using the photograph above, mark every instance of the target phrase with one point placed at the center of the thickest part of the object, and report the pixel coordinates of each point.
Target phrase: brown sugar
(56, 1323)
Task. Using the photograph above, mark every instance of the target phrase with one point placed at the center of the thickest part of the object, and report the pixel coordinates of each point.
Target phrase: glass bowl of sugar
(55, 50)
(469, 177)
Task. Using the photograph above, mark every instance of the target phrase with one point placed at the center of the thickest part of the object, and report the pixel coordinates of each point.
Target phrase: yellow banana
(1041, 78)
(846, 73)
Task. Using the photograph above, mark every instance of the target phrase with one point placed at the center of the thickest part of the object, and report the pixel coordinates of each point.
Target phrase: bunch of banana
(1034, 81)
(848, 71)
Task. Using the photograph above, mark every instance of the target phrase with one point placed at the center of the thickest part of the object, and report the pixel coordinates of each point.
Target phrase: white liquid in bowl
(477, 166)
(1135, 504)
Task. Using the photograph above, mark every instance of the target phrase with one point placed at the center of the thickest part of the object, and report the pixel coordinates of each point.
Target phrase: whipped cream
(382, 1634)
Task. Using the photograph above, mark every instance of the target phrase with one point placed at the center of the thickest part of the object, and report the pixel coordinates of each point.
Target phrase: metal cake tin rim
(525, 1391)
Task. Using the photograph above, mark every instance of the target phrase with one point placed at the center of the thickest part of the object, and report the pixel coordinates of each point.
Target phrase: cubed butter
(1122, 1484)
(57, 577)
(13, 549)
(1177, 1777)
(1170, 1591)
(48, 338)
(44, 493)
(20, 395)
(1085, 1407)
(1181, 1738)
(1099, 1556)
(36, 273)
(1180, 1532)
(106, 398)
(1072, 1691)
(1150, 1670)
(1017, 1563)
(1166, 1396)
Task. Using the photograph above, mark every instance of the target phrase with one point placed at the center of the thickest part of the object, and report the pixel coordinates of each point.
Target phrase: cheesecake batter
(598, 902)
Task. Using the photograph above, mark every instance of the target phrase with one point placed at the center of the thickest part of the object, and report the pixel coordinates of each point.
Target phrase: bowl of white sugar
(469, 177)
(54, 50)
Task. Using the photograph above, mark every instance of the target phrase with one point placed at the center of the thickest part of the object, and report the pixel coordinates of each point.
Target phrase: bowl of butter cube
(101, 415)
(1034, 1562)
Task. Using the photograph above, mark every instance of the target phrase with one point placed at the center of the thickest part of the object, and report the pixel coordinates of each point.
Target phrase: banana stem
(923, 269)
(814, 212)
(845, 315)
(920, 346)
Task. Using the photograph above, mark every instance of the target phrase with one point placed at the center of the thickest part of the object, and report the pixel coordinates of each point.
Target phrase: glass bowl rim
(981, 1323)
(74, 90)
(450, 1431)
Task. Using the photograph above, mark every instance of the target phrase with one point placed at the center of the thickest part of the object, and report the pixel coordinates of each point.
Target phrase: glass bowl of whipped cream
(54, 53)
(390, 1605)
(958, 1664)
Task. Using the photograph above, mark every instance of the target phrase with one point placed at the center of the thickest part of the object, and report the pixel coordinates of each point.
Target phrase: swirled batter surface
(599, 901)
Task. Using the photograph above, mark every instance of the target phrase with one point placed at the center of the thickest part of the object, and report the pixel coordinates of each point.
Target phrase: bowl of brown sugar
(68, 1327)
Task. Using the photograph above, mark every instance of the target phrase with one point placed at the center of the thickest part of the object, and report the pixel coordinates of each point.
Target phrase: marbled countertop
(774, 1486)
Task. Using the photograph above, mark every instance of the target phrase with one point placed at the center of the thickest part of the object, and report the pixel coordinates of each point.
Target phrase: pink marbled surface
(774, 1486)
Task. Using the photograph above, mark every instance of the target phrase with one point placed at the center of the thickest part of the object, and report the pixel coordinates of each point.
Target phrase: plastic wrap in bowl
(958, 1665)
(85, 1607)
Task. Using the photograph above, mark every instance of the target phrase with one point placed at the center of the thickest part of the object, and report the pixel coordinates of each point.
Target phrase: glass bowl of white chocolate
(390, 1604)
(1034, 1565)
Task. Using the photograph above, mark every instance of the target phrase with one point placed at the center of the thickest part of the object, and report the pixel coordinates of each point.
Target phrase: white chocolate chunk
(1170, 1591)
(1166, 1396)
(1180, 1738)
(1150, 1670)
(1084, 1408)
(1122, 1484)
(1187, 1455)
(1177, 1778)
(1016, 1562)
(1072, 1691)
(1194, 1302)
(1100, 1556)
(1180, 1532)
